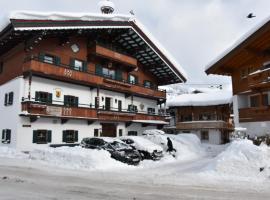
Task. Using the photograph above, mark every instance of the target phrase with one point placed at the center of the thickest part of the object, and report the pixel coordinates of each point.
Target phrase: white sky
(194, 31)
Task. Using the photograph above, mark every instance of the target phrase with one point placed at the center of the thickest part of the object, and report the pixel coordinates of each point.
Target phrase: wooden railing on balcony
(113, 55)
(61, 111)
(254, 114)
(259, 79)
(91, 79)
(192, 125)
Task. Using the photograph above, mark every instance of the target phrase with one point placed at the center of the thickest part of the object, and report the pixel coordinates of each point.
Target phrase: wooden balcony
(193, 125)
(103, 52)
(65, 73)
(259, 80)
(254, 114)
(61, 111)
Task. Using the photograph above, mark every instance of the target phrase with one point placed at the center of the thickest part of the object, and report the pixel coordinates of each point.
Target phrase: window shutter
(6, 99)
(65, 100)
(3, 134)
(49, 136)
(118, 75)
(84, 67)
(72, 63)
(64, 136)
(57, 60)
(8, 136)
(99, 69)
(41, 57)
(35, 136)
(76, 101)
(10, 98)
(136, 80)
(49, 98)
(76, 136)
(129, 78)
(37, 96)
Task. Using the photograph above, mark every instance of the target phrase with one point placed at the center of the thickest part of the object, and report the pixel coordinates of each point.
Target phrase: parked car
(118, 149)
(147, 149)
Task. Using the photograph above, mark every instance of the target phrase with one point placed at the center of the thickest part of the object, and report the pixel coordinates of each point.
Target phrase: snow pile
(143, 144)
(76, 158)
(153, 132)
(202, 99)
(188, 146)
(242, 159)
(11, 153)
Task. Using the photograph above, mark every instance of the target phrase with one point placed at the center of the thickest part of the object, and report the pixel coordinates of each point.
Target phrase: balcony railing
(84, 111)
(67, 73)
(259, 79)
(254, 114)
(203, 125)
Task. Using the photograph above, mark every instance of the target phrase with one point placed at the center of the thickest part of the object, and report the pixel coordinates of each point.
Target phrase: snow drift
(242, 159)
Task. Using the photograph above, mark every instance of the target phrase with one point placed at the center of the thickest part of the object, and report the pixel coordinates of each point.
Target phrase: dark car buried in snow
(118, 149)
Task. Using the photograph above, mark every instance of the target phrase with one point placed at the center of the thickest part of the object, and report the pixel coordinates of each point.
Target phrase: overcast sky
(194, 31)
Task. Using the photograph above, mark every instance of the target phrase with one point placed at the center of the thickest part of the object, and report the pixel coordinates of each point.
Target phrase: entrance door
(108, 130)
(107, 103)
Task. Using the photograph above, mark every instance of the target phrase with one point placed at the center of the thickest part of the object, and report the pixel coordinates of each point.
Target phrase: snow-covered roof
(202, 99)
(237, 43)
(63, 16)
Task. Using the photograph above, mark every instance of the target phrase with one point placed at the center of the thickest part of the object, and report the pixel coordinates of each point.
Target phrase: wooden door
(108, 130)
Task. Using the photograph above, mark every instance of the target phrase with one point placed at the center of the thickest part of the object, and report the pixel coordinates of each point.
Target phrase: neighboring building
(64, 77)
(205, 114)
(248, 63)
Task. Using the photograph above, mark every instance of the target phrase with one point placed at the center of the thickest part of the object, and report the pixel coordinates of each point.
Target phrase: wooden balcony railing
(254, 114)
(61, 111)
(68, 74)
(203, 125)
(113, 55)
(259, 79)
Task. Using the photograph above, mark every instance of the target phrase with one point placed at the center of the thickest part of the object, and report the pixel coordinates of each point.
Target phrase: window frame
(9, 99)
(205, 135)
(257, 101)
(147, 86)
(37, 138)
(135, 79)
(6, 136)
(70, 136)
(39, 98)
(69, 103)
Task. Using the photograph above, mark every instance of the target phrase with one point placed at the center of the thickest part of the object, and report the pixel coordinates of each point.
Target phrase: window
(120, 132)
(6, 136)
(70, 136)
(132, 108)
(132, 79)
(9, 99)
(42, 136)
(147, 84)
(254, 101)
(96, 133)
(151, 111)
(71, 101)
(186, 118)
(1, 67)
(265, 100)
(50, 59)
(132, 133)
(78, 65)
(96, 102)
(110, 73)
(207, 116)
(43, 97)
(205, 135)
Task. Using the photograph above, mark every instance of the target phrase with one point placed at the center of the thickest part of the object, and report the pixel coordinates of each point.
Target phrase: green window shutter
(57, 60)
(41, 57)
(118, 75)
(76, 101)
(76, 136)
(49, 136)
(99, 69)
(64, 136)
(49, 98)
(72, 63)
(6, 99)
(10, 98)
(8, 135)
(65, 100)
(84, 68)
(37, 96)
(35, 136)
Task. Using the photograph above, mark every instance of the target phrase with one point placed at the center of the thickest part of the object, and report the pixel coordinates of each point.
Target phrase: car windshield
(118, 146)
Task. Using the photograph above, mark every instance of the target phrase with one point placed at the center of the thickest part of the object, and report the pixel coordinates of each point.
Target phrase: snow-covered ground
(236, 171)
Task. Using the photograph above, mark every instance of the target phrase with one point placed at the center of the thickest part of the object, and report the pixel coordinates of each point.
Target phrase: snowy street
(21, 179)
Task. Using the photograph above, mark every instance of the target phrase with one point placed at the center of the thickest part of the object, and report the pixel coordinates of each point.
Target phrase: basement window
(42, 136)
(70, 136)
(6, 136)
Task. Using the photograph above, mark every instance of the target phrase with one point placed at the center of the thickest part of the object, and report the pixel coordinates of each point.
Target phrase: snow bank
(242, 159)
(11, 153)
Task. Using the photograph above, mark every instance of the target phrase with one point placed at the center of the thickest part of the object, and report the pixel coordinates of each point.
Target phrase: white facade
(22, 129)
